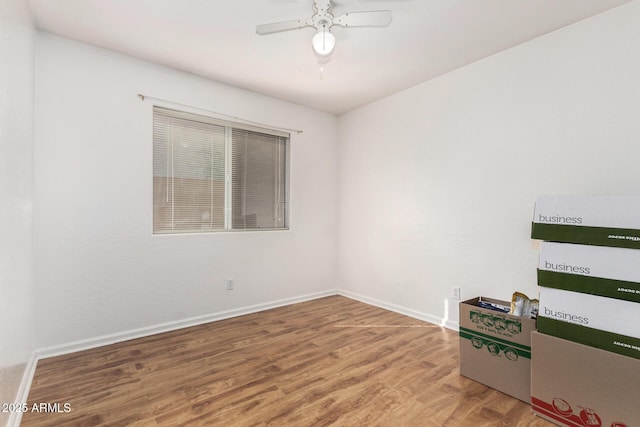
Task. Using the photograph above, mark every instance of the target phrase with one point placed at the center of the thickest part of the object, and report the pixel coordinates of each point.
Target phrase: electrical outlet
(230, 284)
(455, 293)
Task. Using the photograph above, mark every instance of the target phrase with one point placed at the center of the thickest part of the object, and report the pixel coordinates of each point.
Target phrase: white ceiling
(216, 39)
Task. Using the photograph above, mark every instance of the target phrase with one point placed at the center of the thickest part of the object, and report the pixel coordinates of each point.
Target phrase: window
(213, 175)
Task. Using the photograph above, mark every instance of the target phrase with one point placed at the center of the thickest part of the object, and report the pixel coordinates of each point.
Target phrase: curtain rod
(249, 122)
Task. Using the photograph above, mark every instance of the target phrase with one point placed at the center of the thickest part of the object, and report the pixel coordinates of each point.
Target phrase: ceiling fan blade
(277, 27)
(373, 18)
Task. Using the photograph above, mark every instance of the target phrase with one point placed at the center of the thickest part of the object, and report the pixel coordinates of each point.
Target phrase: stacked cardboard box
(601, 221)
(586, 353)
(577, 385)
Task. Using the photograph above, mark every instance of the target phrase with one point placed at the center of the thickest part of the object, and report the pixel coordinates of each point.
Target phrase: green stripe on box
(618, 289)
(609, 341)
(521, 350)
(599, 236)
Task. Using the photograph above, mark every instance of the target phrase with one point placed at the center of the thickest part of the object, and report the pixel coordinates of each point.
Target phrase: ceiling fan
(323, 41)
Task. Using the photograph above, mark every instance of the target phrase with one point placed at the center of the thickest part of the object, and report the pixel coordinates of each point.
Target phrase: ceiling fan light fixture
(323, 42)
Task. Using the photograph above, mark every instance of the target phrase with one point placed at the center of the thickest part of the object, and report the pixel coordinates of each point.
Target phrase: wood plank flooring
(328, 362)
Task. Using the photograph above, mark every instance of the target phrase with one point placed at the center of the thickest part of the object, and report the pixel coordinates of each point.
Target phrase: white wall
(438, 182)
(16, 186)
(98, 268)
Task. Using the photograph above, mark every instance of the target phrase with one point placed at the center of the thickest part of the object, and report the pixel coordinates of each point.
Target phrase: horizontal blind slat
(258, 180)
(189, 174)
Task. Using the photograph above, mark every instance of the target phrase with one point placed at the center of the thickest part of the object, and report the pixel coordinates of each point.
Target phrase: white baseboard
(23, 390)
(90, 343)
(450, 324)
(87, 344)
(399, 309)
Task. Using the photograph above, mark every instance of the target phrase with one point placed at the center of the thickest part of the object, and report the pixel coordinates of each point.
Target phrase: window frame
(228, 212)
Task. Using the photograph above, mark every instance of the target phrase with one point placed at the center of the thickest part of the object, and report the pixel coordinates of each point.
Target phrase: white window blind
(213, 175)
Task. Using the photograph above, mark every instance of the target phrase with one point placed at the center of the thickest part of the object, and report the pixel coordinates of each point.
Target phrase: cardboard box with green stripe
(589, 220)
(606, 323)
(595, 270)
(495, 347)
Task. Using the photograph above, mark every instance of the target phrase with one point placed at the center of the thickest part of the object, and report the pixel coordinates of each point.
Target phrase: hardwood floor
(332, 361)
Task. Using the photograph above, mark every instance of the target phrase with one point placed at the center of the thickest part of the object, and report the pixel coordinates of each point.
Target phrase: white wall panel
(438, 182)
(16, 194)
(99, 270)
